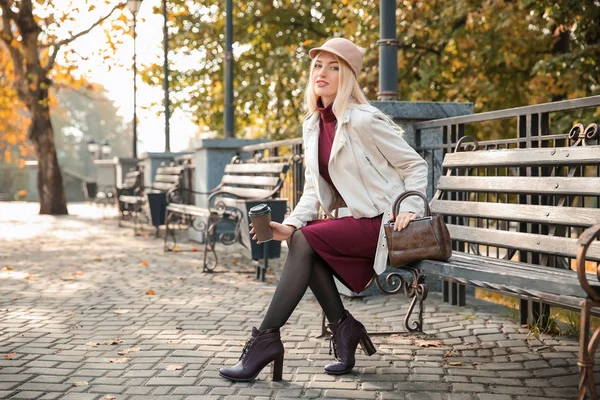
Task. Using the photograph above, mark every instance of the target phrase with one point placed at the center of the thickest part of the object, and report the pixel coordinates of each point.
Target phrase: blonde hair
(349, 92)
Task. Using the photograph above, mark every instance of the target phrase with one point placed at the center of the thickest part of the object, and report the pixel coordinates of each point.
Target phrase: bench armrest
(585, 240)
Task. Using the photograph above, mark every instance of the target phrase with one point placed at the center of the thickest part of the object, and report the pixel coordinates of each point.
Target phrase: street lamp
(134, 7)
(99, 150)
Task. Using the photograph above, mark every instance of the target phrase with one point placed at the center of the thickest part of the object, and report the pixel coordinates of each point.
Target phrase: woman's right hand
(280, 231)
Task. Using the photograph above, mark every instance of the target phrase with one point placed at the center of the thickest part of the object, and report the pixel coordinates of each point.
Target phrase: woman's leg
(303, 268)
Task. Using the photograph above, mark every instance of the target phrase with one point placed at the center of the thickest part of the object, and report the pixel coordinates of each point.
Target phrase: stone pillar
(32, 190)
(123, 165)
(151, 162)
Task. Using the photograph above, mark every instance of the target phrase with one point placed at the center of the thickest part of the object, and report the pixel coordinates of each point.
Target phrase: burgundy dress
(346, 244)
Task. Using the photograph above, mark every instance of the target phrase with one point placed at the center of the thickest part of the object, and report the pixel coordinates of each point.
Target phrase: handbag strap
(409, 193)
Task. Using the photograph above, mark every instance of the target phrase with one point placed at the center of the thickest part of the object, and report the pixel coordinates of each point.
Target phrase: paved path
(78, 321)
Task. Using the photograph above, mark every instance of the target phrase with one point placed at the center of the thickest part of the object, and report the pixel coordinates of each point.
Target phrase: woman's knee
(297, 243)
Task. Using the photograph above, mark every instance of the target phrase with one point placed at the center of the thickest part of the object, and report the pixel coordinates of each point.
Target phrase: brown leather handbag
(425, 238)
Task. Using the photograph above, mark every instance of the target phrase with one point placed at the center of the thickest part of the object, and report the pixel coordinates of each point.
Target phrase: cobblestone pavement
(87, 311)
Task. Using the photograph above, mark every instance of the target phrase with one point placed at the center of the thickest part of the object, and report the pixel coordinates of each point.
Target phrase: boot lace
(246, 348)
(333, 346)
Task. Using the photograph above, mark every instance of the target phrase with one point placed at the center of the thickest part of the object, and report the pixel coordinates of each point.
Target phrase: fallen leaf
(7, 268)
(127, 351)
(121, 360)
(71, 313)
(92, 344)
(176, 249)
(78, 384)
(145, 263)
(113, 341)
(97, 259)
(541, 348)
(455, 363)
(476, 363)
(449, 354)
(194, 249)
(10, 355)
(151, 292)
(78, 273)
(429, 343)
(109, 397)
(120, 311)
(174, 367)
(234, 262)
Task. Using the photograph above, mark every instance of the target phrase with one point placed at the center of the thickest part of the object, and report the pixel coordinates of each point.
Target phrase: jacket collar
(312, 122)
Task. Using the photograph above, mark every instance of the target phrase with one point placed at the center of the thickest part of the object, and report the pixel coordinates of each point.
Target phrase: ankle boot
(262, 348)
(346, 335)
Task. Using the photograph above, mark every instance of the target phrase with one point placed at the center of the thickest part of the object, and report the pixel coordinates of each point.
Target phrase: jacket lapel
(340, 140)
(311, 145)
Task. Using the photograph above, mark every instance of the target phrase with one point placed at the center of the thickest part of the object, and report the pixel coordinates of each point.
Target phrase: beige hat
(344, 49)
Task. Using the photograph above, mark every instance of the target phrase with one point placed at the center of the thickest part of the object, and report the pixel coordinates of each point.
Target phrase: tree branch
(58, 45)
(7, 37)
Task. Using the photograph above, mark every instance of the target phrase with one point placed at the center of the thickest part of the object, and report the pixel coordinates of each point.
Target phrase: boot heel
(277, 369)
(367, 345)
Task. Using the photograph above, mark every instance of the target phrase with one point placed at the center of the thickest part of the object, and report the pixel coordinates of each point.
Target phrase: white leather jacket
(370, 165)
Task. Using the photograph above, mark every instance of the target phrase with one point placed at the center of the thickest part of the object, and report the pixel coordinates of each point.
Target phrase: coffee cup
(260, 215)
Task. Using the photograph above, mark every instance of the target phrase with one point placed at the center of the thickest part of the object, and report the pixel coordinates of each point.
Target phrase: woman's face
(325, 77)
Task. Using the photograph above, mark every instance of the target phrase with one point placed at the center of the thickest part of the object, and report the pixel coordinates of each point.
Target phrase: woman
(356, 158)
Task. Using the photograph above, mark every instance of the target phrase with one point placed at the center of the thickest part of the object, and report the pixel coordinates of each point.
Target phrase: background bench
(243, 185)
(129, 195)
(142, 202)
(518, 220)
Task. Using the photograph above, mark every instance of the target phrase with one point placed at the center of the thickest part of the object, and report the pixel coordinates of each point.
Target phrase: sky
(119, 80)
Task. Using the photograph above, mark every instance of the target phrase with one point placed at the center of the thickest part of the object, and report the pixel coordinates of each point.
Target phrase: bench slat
(162, 186)
(560, 246)
(573, 216)
(187, 209)
(531, 185)
(169, 170)
(249, 168)
(166, 178)
(524, 157)
(519, 275)
(250, 180)
(247, 193)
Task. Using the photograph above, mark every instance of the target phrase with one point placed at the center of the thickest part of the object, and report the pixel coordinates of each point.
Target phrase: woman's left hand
(403, 219)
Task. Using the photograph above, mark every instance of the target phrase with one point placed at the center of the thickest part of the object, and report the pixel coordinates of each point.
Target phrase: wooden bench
(518, 220)
(137, 200)
(128, 195)
(242, 184)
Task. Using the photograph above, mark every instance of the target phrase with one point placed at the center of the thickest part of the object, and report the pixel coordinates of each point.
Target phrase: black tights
(303, 268)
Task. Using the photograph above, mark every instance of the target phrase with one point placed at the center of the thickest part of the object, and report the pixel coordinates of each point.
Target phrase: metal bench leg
(209, 245)
(454, 293)
(416, 290)
(587, 351)
(168, 217)
(534, 313)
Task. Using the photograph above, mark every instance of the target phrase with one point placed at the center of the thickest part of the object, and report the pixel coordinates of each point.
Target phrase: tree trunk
(50, 183)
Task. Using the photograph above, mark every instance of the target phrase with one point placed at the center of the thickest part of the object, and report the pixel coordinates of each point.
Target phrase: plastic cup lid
(260, 209)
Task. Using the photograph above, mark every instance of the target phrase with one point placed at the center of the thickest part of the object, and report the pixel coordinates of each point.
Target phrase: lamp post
(166, 82)
(99, 150)
(134, 7)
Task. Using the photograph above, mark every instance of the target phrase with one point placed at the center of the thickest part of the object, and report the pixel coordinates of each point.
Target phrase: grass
(561, 321)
